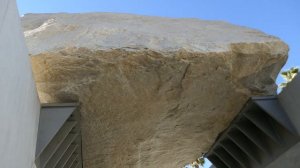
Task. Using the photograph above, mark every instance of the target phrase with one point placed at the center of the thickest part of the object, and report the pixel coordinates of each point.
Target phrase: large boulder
(154, 92)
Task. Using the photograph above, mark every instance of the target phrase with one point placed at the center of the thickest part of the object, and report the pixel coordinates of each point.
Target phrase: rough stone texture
(154, 92)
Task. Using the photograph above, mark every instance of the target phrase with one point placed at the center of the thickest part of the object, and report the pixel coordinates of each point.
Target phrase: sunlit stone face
(154, 92)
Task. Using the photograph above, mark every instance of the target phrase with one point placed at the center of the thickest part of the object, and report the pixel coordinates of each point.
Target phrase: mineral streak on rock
(154, 92)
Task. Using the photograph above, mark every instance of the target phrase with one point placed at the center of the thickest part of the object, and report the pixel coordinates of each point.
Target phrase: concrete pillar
(19, 104)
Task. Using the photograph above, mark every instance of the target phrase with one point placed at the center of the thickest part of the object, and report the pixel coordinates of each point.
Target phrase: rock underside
(154, 92)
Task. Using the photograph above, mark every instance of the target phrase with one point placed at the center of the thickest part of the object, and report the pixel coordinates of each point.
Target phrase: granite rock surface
(154, 92)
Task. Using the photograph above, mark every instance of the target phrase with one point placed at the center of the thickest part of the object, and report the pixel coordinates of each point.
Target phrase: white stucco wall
(19, 104)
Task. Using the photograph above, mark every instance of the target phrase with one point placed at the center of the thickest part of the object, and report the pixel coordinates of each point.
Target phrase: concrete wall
(289, 159)
(19, 104)
(289, 98)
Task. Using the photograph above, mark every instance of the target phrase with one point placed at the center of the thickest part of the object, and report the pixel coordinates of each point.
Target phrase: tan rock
(154, 92)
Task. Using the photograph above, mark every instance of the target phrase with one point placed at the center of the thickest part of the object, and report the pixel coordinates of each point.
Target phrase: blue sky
(276, 17)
